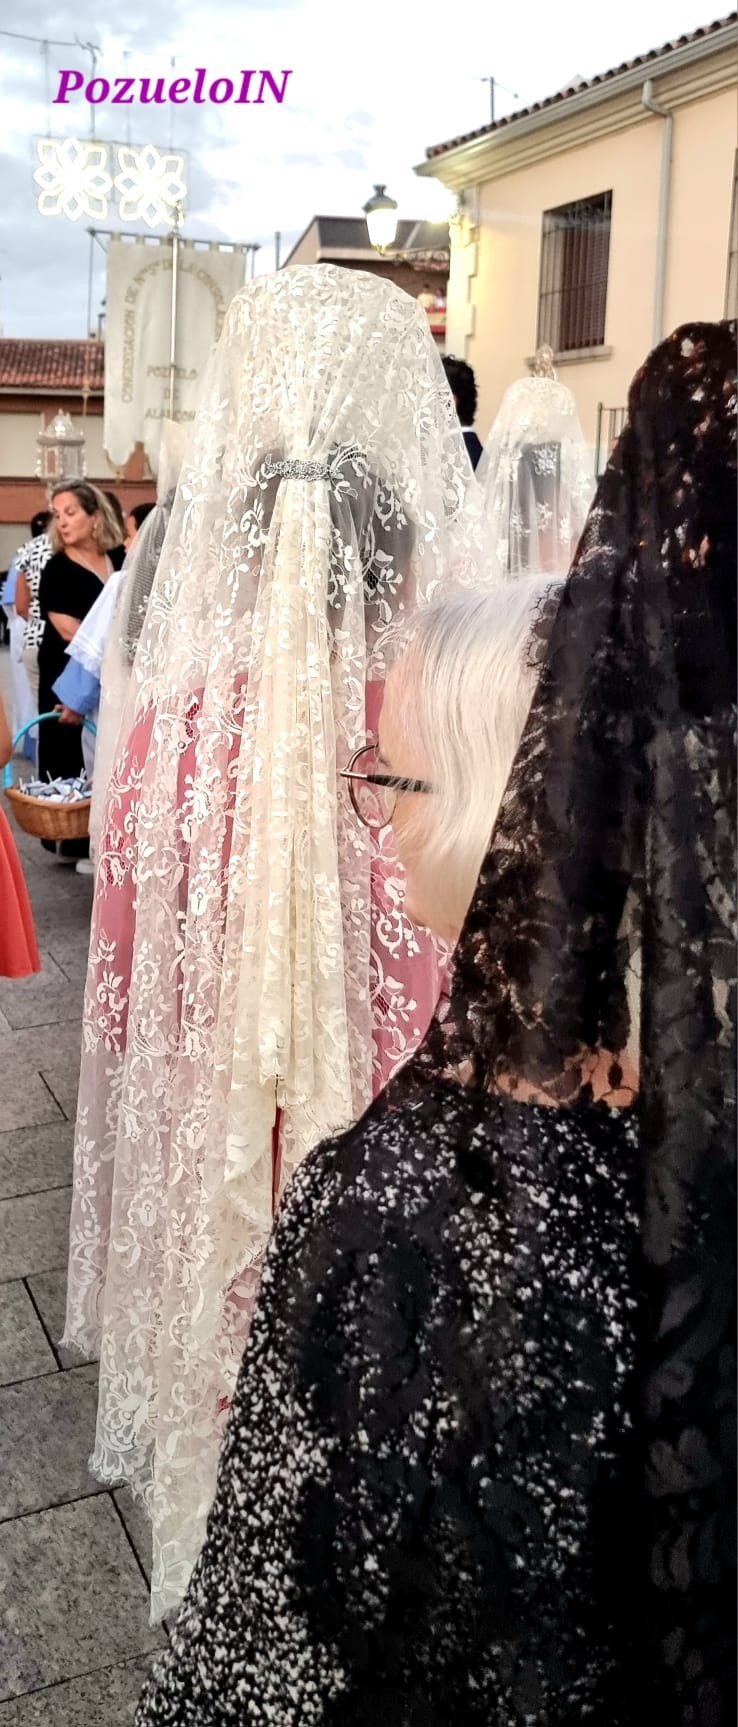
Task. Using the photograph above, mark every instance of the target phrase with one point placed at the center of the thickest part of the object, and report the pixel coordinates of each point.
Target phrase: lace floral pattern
(609, 892)
(481, 1462)
(130, 613)
(246, 940)
(538, 480)
(394, 1537)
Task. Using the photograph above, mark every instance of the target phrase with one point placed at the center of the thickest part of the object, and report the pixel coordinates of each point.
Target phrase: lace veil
(327, 490)
(605, 916)
(537, 475)
(117, 635)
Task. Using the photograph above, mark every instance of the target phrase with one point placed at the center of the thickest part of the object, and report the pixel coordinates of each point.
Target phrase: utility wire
(51, 41)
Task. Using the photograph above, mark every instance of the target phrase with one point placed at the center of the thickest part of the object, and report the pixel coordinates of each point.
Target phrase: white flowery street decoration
(80, 177)
(73, 178)
(151, 185)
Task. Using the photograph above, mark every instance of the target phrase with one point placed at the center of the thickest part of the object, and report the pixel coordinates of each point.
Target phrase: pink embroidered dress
(252, 977)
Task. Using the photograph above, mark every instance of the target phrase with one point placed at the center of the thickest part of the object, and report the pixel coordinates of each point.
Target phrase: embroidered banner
(138, 334)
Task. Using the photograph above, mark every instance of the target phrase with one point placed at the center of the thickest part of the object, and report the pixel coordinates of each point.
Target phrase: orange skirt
(19, 955)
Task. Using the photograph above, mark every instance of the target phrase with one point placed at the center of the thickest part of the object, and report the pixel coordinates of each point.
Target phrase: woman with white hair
(253, 979)
(455, 704)
(480, 1466)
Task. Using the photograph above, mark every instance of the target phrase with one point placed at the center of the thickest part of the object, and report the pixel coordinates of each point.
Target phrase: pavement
(75, 1638)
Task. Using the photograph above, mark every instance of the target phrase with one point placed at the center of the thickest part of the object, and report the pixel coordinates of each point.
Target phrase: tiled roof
(39, 366)
(582, 84)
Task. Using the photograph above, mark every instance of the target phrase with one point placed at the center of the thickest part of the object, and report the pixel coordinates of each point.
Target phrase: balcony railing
(610, 422)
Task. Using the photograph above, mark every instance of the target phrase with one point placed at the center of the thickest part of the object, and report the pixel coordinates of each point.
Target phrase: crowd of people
(53, 582)
(413, 929)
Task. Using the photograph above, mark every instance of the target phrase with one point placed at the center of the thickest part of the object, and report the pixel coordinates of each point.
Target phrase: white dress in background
(537, 476)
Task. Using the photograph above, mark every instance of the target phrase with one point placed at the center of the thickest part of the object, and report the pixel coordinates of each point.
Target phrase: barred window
(575, 253)
(731, 288)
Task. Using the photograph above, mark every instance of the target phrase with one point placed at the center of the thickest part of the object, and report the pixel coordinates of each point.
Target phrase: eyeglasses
(374, 794)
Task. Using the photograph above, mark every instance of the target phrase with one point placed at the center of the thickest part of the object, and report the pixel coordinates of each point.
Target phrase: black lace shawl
(480, 1464)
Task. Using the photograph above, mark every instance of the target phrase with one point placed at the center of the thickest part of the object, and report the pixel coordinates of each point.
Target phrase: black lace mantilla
(480, 1465)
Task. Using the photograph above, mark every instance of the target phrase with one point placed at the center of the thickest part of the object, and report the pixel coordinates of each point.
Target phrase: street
(74, 1618)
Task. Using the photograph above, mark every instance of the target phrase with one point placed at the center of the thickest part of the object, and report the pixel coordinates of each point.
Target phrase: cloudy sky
(373, 85)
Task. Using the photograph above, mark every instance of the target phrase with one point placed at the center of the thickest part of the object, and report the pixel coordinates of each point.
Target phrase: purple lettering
(243, 94)
(266, 78)
(65, 81)
(215, 86)
(179, 85)
(197, 95)
(122, 87)
(158, 95)
(104, 88)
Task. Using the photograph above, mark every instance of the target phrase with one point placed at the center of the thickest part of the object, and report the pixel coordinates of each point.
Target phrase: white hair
(467, 696)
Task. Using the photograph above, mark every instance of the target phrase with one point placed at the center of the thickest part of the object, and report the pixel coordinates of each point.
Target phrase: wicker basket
(45, 818)
(48, 820)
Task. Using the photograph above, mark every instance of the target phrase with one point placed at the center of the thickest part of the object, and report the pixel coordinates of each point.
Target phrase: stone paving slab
(137, 1525)
(25, 1048)
(49, 1292)
(36, 1001)
(106, 1699)
(75, 1636)
(62, 1086)
(36, 1158)
(26, 1100)
(47, 1432)
(34, 1233)
(25, 1351)
(72, 1598)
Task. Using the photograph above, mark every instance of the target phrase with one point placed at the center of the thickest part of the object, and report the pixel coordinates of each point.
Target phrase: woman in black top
(86, 545)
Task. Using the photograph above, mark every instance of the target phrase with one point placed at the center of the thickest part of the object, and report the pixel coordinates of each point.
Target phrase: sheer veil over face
(324, 492)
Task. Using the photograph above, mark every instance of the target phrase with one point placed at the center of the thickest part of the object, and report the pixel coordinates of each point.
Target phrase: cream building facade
(599, 221)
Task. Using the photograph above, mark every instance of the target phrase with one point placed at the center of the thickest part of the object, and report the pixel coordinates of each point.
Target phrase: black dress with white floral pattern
(480, 1468)
(427, 1437)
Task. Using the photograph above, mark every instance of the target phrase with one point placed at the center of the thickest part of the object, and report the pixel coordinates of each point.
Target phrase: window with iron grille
(575, 253)
(731, 288)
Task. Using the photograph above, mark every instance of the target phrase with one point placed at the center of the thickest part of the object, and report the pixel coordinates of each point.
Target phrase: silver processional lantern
(61, 451)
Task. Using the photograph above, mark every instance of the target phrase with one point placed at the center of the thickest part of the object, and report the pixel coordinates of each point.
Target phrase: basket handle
(8, 772)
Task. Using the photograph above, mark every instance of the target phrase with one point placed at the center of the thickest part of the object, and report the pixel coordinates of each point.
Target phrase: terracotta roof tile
(581, 84)
(51, 365)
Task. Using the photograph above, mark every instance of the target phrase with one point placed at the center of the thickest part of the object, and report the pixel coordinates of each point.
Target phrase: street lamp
(381, 219)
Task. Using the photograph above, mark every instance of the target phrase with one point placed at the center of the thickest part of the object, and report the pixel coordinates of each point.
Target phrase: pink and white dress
(253, 979)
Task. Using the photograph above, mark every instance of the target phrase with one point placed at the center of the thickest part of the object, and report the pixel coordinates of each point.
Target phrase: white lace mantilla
(252, 975)
(538, 479)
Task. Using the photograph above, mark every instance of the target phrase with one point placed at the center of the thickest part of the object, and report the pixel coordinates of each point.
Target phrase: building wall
(306, 251)
(22, 494)
(404, 276)
(19, 450)
(699, 226)
(414, 282)
(500, 321)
